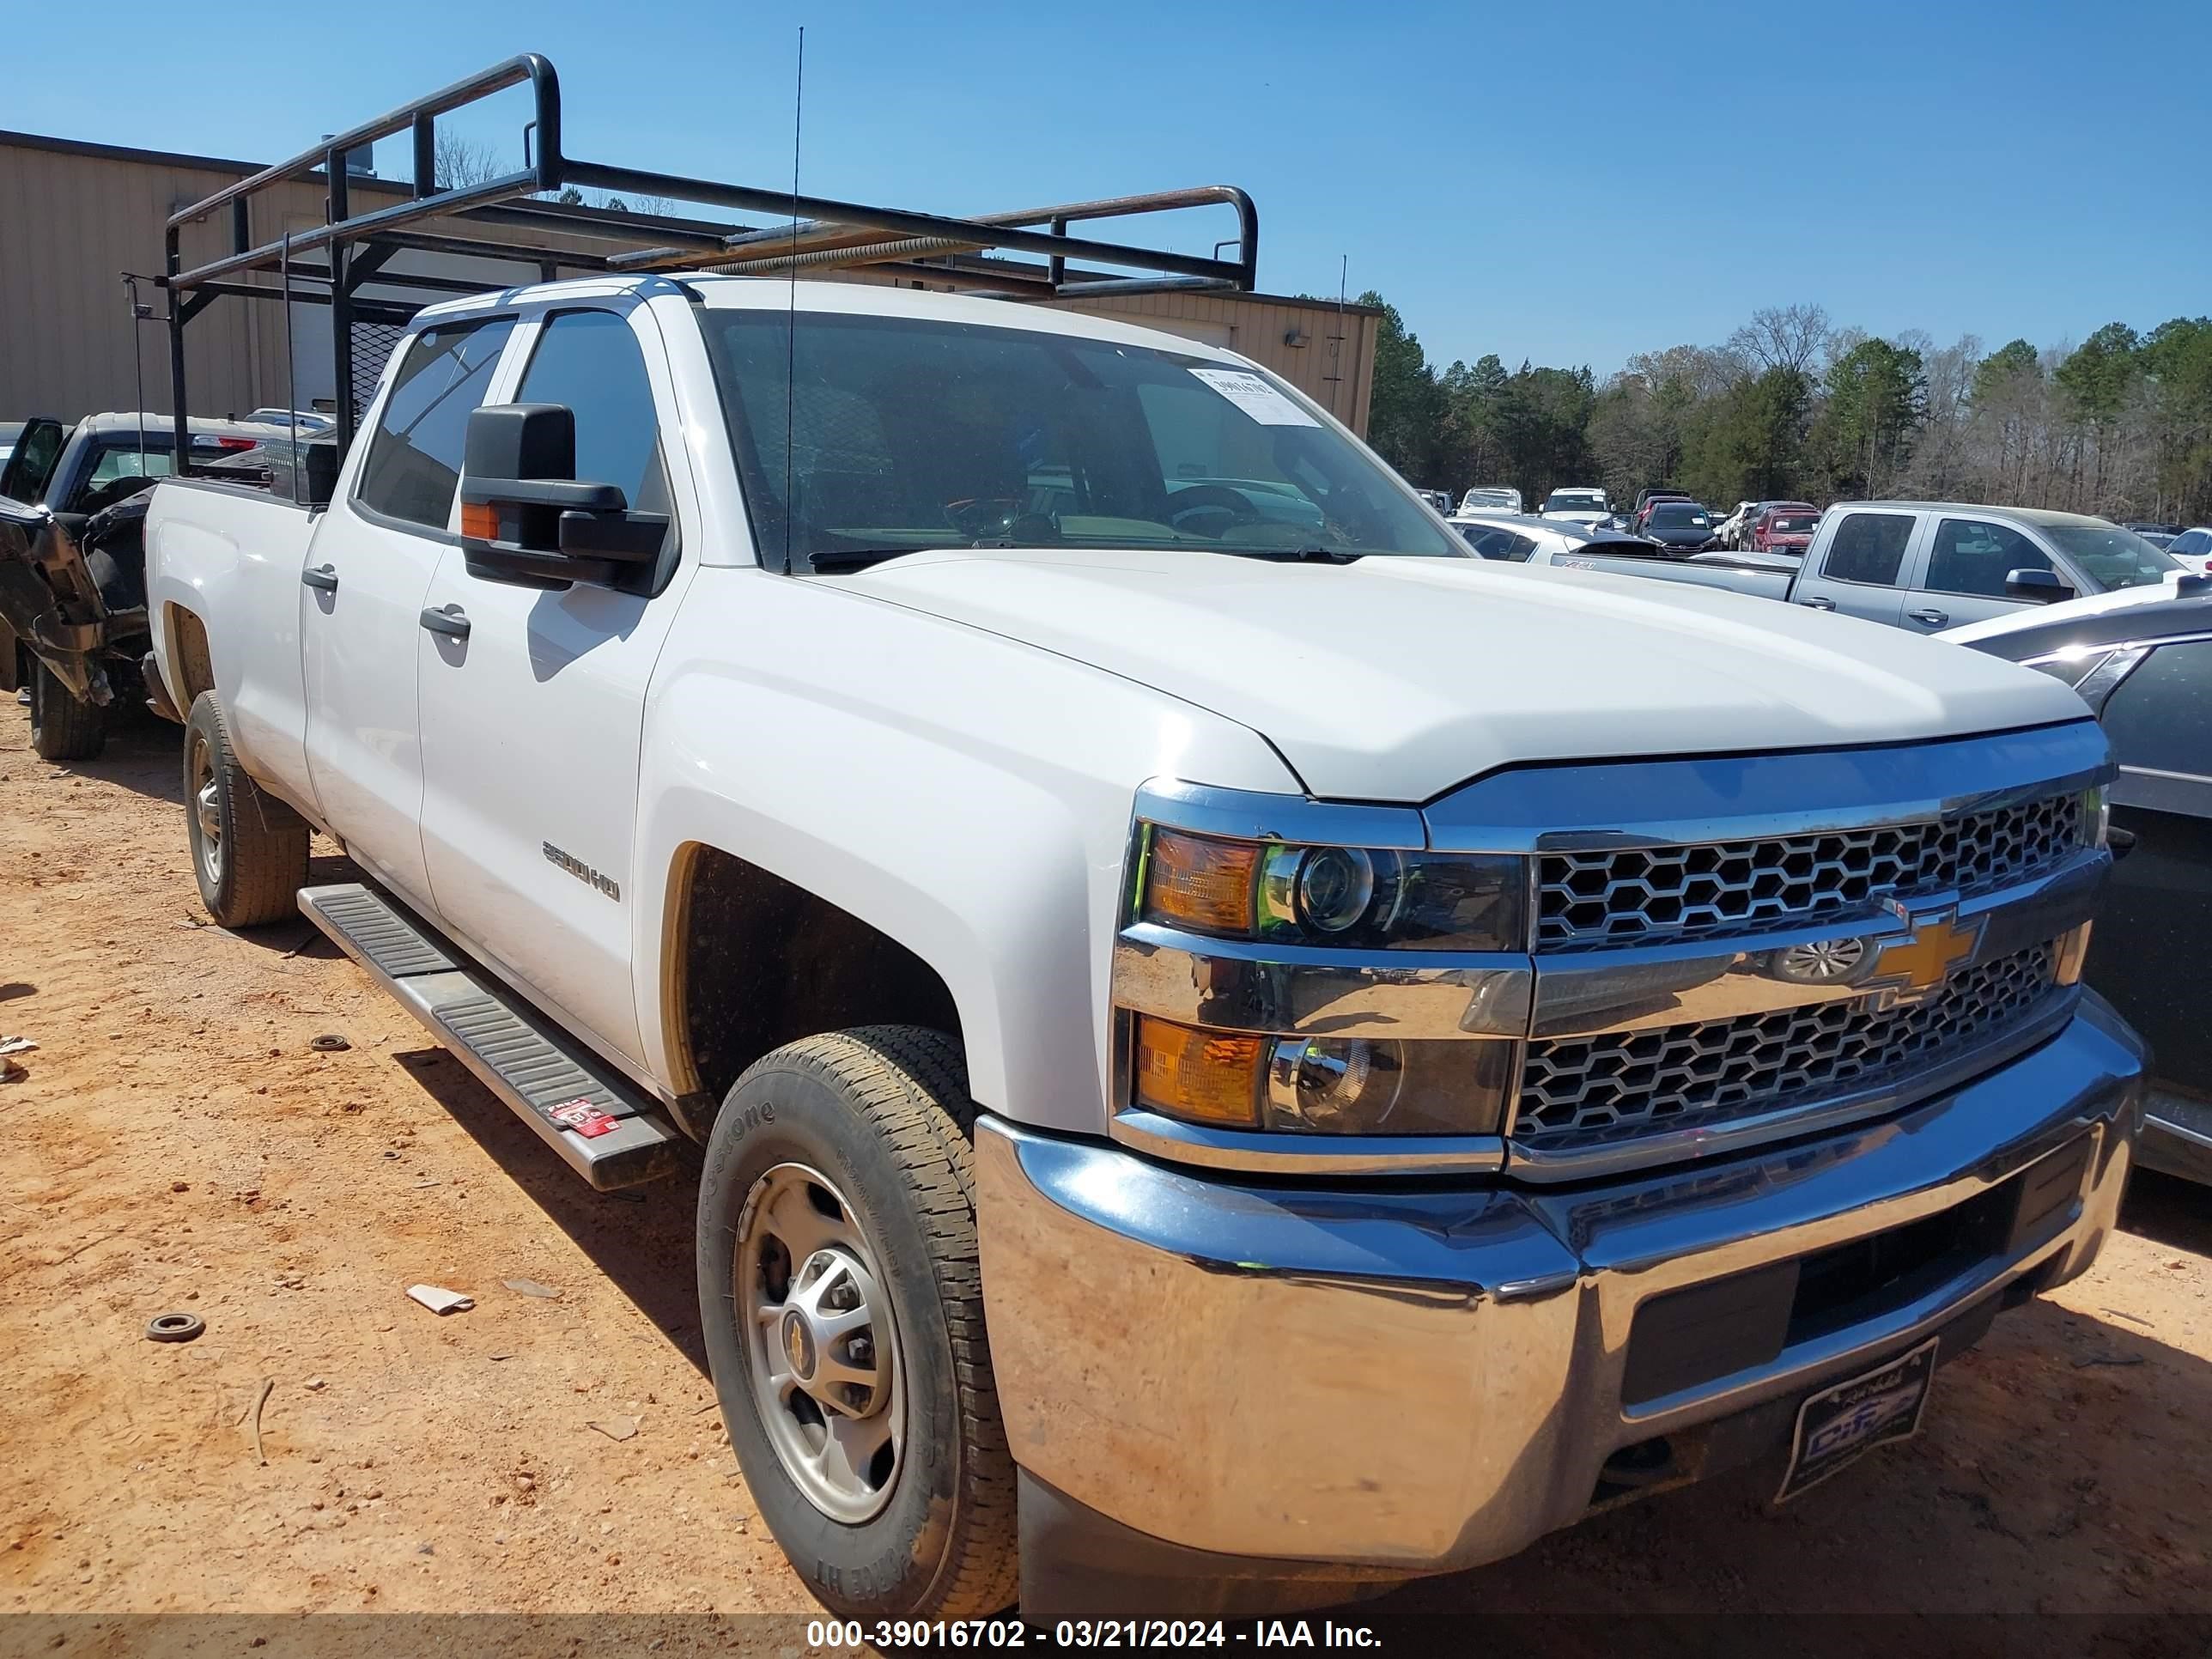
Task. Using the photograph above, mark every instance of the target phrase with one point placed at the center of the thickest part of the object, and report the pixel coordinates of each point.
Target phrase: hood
(1393, 679)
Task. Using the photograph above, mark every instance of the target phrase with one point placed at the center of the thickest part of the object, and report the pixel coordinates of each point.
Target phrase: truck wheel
(249, 849)
(842, 1303)
(62, 728)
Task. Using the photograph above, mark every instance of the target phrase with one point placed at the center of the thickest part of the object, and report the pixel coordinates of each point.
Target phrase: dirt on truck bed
(180, 1141)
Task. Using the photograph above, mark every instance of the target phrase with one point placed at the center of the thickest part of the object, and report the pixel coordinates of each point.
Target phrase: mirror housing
(2036, 586)
(524, 517)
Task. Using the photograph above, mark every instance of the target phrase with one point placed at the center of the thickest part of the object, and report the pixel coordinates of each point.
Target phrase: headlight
(1343, 896)
(1319, 1086)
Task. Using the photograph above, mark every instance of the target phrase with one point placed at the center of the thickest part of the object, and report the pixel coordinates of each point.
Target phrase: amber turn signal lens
(1207, 1077)
(1191, 881)
(480, 521)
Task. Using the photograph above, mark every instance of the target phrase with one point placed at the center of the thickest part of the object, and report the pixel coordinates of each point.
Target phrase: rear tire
(249, 849)
(848, 1154)
(62, 728)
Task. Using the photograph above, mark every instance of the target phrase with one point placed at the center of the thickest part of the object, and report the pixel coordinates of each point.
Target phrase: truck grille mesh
(1650, 897)
(1580, 1091)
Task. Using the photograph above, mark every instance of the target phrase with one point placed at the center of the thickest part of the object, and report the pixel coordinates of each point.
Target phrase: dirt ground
(177, 1144)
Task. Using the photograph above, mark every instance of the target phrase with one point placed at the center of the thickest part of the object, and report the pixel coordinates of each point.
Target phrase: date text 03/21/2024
(1072, 1634)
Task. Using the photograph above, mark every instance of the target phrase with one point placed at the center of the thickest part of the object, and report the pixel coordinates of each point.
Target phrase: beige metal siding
(70, 223)
(1327, 354)
(74, 224)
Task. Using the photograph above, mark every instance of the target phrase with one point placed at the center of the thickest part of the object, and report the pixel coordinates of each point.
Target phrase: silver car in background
(1926, 566)
(1490, 498)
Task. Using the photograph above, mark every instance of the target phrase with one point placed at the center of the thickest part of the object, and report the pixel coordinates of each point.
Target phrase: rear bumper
(1398, 1382)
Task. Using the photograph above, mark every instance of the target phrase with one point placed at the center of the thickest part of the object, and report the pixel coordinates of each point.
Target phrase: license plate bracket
(1842, 1423)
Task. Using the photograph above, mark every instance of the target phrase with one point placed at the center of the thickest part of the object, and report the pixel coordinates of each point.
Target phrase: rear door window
(1869, 549)
(1973, 557)
(414, 464)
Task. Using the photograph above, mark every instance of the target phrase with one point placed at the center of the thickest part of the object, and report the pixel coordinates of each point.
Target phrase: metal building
(80, 214)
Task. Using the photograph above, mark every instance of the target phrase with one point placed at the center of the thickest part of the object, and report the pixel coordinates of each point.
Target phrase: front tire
(841, 1305)
(249, 849)
(62, 728)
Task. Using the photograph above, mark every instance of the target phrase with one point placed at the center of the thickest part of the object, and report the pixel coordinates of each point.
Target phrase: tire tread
(911, 1086)
(62, 728)
(266, 864)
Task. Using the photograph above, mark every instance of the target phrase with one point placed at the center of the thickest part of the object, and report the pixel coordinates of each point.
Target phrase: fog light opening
(1646, 1464)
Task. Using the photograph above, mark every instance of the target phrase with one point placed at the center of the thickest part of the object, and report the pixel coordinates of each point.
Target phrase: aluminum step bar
(601, 1125)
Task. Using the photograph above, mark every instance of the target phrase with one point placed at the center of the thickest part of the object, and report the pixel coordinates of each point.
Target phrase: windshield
(909, 434)
(1792, 524)
(1672, 516)
(2113, 557)
(1574, 501)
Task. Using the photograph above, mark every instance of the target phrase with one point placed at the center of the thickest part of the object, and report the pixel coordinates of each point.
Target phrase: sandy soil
(177, 1145)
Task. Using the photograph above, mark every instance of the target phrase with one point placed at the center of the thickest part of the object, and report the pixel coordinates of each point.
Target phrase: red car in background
(1785, 528)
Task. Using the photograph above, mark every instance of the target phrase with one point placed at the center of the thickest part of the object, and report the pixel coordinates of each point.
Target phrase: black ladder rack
(353, 248)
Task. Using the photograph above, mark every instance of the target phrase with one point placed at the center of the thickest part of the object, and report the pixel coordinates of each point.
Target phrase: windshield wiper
(1294, 554)
(838, 561)
(844, 560)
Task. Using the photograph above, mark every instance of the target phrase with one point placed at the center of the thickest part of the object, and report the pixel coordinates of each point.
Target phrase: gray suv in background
(1927, 566)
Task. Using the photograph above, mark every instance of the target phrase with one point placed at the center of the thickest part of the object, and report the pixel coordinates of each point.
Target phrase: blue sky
(1569, 184)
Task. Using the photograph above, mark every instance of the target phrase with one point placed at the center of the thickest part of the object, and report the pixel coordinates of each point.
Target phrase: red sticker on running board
(586, 1119)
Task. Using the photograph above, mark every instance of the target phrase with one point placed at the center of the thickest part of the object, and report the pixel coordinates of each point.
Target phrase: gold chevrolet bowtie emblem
(1924, 961)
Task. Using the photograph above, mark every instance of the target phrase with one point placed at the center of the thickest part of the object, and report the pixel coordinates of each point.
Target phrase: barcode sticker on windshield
(1255, 396)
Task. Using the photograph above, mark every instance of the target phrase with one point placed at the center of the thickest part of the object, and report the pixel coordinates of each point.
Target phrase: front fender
(968, 796)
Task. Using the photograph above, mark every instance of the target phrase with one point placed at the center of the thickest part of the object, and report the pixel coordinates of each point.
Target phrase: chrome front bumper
(1418, 1382)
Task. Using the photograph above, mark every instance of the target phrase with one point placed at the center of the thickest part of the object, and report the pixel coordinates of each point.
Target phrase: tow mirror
(2036, 586)
(525, 516)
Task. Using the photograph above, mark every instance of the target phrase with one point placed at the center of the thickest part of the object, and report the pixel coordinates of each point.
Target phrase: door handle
(324, 578)
(453, 622)
(1819, 605)
(1932, 618)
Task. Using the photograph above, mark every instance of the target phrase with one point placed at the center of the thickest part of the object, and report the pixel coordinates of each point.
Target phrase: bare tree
(1782, 336)
(465, 161)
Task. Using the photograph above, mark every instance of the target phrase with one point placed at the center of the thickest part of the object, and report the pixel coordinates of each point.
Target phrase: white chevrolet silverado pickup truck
(1242, 1055)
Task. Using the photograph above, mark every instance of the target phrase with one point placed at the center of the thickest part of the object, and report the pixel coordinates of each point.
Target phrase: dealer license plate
(1837, 1426)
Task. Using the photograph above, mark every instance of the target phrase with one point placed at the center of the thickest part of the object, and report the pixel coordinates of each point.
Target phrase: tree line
(1792, 407)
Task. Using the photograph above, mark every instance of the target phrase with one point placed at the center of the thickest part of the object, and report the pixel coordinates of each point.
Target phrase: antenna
(791, 314)
(139, 313)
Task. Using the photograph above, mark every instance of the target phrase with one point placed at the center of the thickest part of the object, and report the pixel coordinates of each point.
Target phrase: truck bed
(205, 541)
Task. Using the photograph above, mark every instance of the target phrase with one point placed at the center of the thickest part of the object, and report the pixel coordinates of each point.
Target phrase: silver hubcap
(207, 810)
(822, 1347)
(1829, 960)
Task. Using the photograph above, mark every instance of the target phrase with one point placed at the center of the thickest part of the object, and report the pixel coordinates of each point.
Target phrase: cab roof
(717, 291)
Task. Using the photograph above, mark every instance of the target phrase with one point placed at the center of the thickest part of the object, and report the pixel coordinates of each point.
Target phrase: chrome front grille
(1650, 897)
(1580, 1093)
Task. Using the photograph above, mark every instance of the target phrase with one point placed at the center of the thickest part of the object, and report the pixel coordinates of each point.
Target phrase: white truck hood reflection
(1393, 679)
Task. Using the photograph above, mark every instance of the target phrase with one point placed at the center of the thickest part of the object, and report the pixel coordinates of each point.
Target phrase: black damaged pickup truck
(73, 623)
